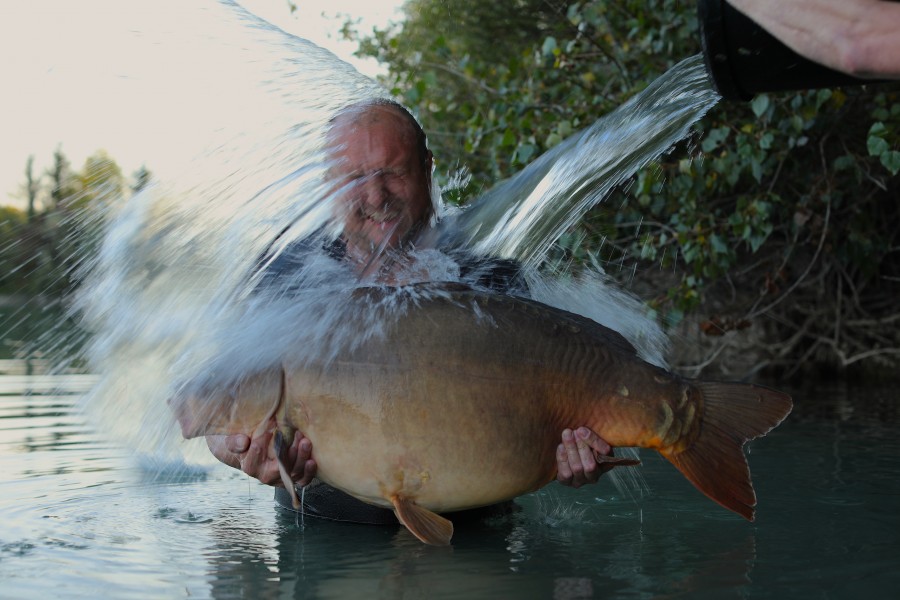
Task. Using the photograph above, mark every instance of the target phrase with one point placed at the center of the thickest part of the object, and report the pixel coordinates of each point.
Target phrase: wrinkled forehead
(354, 119)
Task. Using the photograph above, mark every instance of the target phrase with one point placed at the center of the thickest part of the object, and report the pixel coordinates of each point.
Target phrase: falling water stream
(101, 492)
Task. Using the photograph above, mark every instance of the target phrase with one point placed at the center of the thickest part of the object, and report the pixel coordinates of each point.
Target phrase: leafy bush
(781, 217)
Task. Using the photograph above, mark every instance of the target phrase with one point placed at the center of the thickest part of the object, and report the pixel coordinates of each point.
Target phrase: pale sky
(79, 74)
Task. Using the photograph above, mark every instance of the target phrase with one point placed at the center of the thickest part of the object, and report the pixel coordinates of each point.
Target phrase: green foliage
(879, 143)
(792, 193)
(497, 84)
(142, 177)
(799, 175)
(12, 221)
(41, 252)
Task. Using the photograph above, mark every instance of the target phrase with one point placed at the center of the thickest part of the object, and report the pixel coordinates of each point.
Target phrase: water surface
(84, 517)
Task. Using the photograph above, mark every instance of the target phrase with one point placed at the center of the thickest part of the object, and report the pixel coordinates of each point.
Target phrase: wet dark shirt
(503, 276)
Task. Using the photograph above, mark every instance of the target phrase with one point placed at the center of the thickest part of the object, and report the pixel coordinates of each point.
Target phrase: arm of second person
(857, 37)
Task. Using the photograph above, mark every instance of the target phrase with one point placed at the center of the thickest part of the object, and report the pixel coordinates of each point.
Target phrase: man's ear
(429, 163)
(433, 194)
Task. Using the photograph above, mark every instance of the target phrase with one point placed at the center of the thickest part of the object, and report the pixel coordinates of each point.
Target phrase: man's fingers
(586, 454)
(304, 448)
(601, 447)
(258, 457)
(309, 471)
(299, 455)
(569, 441)
(218, 446)
(253, 461)
(293, 449)
(578, 455)
(250, 462)
(563, 472)
(574, 459)
(305, 459)
(594, 441)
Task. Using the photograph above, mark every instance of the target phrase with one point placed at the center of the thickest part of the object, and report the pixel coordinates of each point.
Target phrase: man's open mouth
(383, 217)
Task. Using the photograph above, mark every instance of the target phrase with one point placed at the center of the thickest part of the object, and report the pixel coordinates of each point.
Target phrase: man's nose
(373, 190)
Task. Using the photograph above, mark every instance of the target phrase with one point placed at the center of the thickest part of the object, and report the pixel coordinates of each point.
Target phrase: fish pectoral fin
(609, 462)
(429, 527)
(279, 450)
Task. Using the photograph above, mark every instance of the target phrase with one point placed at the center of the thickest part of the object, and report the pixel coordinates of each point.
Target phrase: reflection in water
(515, 556)
(81, 515)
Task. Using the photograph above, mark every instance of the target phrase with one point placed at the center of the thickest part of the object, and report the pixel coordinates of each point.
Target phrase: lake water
(83, 517)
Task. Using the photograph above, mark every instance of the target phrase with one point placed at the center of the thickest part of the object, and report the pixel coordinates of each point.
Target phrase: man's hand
(576, 463)
(256, 456)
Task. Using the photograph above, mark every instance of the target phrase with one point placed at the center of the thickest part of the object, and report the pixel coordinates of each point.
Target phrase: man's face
(384, 181)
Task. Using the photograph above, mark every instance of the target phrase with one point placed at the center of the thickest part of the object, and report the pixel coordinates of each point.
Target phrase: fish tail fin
(733, 414)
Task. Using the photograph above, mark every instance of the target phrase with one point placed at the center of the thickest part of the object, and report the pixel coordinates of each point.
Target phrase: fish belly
(461, 400)
(449, 441)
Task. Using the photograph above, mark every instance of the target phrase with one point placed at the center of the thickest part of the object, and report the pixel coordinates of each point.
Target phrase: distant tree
(41, 251)
(61, 179)
(32, 187)
(13, 223)
(141, 178)
(98, 185)
(10, 218)
(100, 180)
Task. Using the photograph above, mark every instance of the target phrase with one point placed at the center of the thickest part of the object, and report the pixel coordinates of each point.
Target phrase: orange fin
(429, 527)
(733, 414)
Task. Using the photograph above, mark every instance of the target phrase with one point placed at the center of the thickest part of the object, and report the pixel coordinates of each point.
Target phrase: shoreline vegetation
(768, 244)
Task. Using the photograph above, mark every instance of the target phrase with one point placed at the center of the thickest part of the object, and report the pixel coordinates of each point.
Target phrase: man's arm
(857, 37)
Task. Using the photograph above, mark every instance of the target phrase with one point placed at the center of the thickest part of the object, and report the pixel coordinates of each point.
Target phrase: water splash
(595, 295)
(523, 216)
(172, 298)
(178, 261)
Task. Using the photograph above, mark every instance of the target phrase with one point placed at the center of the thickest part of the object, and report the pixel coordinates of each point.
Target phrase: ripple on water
(85, 518)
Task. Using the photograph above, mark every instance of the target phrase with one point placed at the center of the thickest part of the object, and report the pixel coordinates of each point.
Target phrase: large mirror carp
(458, 401)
